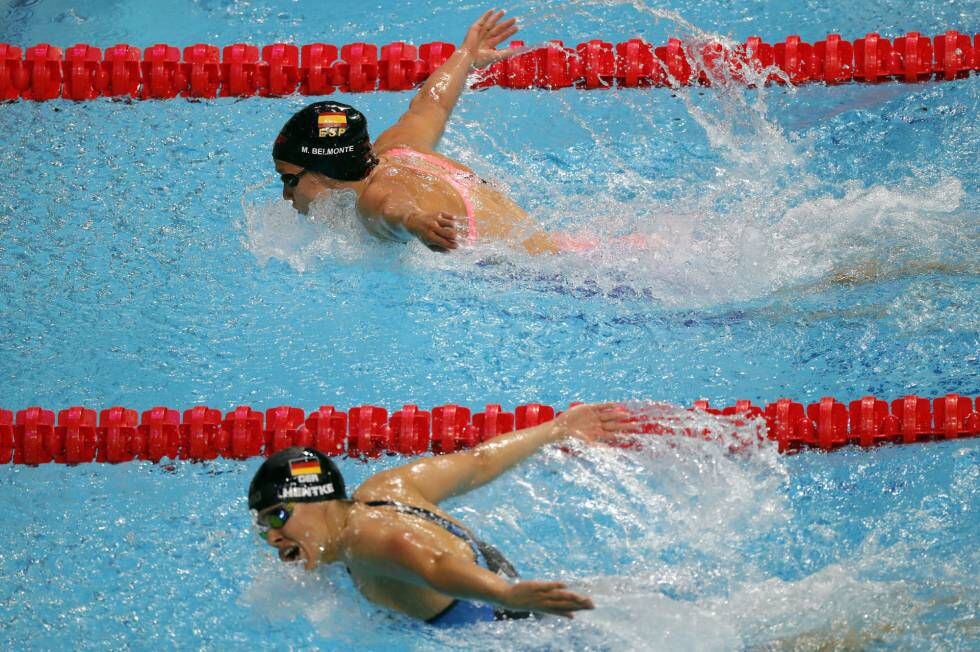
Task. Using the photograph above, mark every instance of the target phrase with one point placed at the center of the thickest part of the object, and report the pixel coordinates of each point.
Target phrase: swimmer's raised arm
(439, 478)
(422, 125)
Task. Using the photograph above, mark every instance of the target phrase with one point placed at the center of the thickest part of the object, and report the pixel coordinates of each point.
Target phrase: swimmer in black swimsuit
(462, 611)
(401, 550)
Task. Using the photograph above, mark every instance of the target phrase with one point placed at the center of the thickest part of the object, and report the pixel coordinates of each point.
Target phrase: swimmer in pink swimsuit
(404, 189)
(461, 180)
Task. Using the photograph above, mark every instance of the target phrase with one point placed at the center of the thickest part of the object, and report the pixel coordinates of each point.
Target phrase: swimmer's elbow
(395, 210)
(483, 468)
(388, 223)
(384, 230)
(409, 561)
(436, 572)
(451, 575)
(426, 106)
(435, 569)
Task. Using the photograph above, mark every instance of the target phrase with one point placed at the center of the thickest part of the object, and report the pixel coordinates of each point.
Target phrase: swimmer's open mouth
(289, 554)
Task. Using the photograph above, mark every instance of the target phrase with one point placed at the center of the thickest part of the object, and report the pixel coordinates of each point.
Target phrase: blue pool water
(823, 242)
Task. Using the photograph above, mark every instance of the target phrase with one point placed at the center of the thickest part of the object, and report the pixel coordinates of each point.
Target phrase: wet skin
(412, 565)
(396, 201)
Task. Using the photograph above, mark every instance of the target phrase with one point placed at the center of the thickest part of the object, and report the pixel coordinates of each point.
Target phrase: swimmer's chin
(310, 562)
(298, 555)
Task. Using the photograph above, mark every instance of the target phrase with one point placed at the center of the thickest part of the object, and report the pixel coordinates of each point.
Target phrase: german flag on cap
(304, 467)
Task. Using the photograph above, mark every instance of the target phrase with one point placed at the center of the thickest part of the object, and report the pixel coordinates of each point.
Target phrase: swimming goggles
(292, 180)
(273, 518)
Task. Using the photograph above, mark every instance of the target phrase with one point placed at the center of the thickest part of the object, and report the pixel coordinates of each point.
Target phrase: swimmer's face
(311, 185)
(298, 540)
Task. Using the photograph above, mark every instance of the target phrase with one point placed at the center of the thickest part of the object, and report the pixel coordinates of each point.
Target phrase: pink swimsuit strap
(460, 180)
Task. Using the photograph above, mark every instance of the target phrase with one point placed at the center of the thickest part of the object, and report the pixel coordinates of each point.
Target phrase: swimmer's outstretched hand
(545, 597)
(596, 422)
(438, 230)
(484, 37)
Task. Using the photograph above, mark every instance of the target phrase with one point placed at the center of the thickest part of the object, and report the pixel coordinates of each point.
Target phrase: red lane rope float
(119, 434)
(83, 72)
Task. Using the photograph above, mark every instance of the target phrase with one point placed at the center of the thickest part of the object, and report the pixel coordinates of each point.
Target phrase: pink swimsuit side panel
(452, 178)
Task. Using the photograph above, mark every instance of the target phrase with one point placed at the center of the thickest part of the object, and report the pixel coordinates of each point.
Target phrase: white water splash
(331, 232)
(764, 224)
(661, 537)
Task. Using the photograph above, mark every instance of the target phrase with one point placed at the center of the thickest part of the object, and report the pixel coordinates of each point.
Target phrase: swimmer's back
(411, 599)
(496, 216)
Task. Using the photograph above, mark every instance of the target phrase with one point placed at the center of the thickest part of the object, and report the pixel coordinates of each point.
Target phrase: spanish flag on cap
(331, 120)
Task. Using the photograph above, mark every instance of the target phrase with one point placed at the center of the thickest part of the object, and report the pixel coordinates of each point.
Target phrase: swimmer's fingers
(611, 411)
(546, 597)
(487, 26)
(614, 415)
(616, 419)
(502, 32)
(565, 606)
(476, 31)
(437, 230)
(445, 242)
(559, 599)
(447, 226)
(439, 242)
(446, 220)
(484, 19)
(609, 407)
(597, 421)
(486, 34)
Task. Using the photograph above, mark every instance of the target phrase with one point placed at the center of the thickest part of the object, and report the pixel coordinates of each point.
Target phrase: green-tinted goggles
(273, 518)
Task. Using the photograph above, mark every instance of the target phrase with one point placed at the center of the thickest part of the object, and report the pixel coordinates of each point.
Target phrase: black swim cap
(295, 475)
(330, 138)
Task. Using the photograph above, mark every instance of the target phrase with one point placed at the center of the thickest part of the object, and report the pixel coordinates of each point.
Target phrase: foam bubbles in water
(833, 608)
(766, 222)
(679, 540)
(325, 598)
(332, 231)
(651, 508)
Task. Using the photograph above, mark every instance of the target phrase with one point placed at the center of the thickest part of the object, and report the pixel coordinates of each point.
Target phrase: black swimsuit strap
(443, 522)
(495, 561)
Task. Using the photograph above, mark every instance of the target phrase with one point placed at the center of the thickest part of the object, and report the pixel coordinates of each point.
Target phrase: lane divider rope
(84, 72)
(119, 434)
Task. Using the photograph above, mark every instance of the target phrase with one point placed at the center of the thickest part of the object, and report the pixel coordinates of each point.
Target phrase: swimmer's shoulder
(369, 538)
(376, 532)
(386, 485)
(394, 485)
(401, 155)
(381, 187)
(393, 151)
(392, 178)
(385, 144)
